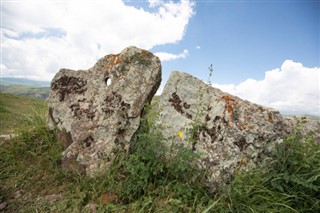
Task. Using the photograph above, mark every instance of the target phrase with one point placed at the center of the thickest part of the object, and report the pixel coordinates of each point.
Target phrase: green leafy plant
(154, 168)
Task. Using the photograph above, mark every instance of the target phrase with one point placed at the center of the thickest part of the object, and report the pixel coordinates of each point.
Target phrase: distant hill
(25, 87)
(311, 117)
(16, 110)
(23, 81)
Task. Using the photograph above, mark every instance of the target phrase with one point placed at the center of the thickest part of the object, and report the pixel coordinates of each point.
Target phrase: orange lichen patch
(270, 117)
(117, 60)
(113, 59)
(110, 58)
(246, 127)
(230, 104)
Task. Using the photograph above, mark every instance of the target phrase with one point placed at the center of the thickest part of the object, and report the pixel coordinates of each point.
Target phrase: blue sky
(263, 51)
(243, 39)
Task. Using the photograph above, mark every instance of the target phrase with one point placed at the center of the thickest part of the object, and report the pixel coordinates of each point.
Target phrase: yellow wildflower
(180, 134)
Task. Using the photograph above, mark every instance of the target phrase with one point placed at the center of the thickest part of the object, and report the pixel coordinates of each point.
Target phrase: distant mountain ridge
(24, 81)
(25, 87)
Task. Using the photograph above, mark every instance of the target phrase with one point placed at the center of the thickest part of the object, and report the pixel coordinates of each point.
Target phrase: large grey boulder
(231, 133)
(97, 111)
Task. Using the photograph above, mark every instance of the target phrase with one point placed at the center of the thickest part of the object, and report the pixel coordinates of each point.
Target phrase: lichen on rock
(229, 131)
(97, 111)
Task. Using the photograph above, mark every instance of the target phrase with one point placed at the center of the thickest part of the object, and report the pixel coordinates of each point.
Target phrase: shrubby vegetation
(154, 177)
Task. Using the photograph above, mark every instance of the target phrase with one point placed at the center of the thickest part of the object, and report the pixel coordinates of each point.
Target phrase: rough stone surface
(97, 111)
(231, 133)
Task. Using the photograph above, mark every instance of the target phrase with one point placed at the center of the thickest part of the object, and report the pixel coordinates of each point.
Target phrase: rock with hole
(97, 111)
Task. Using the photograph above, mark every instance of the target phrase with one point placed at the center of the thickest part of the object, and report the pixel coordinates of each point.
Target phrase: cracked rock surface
(231, 133)
(97, 111)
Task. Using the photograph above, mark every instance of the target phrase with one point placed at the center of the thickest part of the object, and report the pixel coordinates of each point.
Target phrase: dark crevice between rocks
(55, 123)
(154, 89)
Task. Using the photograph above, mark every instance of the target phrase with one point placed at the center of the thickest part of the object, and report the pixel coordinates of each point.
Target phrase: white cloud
(2, 66)
(292, 89)
(39, 38)
(160, 90)
(155, 3)
(164, 56)
(198, 47)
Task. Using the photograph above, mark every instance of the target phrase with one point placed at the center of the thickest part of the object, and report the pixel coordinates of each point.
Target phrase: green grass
(15, 111)
(27, 91)
(153, 178)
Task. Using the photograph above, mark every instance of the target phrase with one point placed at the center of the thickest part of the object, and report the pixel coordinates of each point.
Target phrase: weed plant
(154, 177)
(155, 170)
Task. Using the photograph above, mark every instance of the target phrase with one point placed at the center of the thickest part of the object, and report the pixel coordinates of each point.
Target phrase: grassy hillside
(15, 111)
(313, 117)
(153, 178)
(23, 81)
(26, 90)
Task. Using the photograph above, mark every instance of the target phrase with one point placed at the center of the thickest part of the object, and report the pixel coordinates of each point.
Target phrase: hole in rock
(107, 81)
